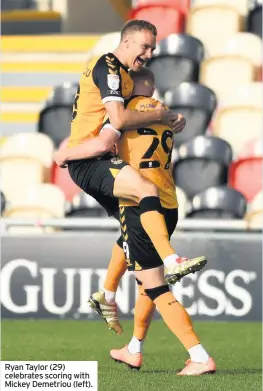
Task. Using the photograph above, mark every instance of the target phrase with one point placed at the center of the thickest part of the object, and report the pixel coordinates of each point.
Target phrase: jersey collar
(121, 64)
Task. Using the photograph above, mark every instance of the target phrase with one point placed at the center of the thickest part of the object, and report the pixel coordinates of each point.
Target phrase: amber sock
(174, 315)
(143, 312)
(116, 269)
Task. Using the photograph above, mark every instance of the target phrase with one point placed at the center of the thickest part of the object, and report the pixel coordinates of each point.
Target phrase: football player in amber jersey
(103, 87)
(148, 150)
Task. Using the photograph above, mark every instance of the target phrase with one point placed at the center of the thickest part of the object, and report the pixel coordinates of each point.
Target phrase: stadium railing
(106, 224)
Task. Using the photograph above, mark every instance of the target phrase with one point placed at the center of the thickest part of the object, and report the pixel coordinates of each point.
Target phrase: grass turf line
(236, 348)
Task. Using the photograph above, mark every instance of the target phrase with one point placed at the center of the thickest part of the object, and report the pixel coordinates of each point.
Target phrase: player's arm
(97, 146)
(106, 76)
(125, 119)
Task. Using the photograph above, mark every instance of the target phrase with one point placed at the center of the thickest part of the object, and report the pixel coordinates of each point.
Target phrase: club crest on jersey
(116, 160)
(113, 82)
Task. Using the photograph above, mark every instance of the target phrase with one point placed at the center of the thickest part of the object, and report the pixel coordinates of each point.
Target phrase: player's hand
(60, 157)
(179, 124)
(167, 117)
(114, 150)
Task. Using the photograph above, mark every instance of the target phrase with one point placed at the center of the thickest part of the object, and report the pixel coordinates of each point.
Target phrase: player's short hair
(138, 25)
(142, 74)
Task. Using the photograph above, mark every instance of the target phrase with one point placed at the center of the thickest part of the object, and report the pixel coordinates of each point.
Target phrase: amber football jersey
(104, 80)
(149, 150)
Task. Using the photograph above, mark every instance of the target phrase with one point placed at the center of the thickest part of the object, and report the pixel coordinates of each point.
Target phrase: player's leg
(138, 245)
(116, 269)
(149, 270)
(143, 313)
(131, 354)
(111, 177)
(103, 302)
(131, 185)
(178, 321)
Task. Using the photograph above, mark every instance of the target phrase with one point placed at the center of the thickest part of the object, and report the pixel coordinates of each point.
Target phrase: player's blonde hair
(138, 25)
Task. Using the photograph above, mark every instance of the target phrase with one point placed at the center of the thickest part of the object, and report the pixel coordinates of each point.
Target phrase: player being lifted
(148, 149)
(157, 142)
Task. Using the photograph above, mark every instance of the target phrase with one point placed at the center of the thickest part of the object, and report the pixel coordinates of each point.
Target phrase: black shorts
(139, 250)
(96, 177)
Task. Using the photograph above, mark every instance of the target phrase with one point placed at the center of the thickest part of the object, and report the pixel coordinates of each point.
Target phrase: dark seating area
(10, 5)
(201, 163)
(218, 202)
(176, 60)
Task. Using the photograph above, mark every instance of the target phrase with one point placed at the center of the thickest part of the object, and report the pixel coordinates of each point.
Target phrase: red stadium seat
(183, 5)
(245, 175)
(167, 18)
(62, 179)
(260, 78)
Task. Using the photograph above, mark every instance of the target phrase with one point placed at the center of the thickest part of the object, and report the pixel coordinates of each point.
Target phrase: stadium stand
(180, 56)
(182, 202)
(55, 117)
(253, 148)
(241, 6)
(238, 63)
(255, 212)
(61, 178)
(255, 20)
(106, 43)
(240, 110)
(246, 45)
(205, 23)
(25, 159)
(83, 205)
(41, 201)
(197, 103)
(217, 202)
(8, 5)
(24, 17)
(245, 175)
(201, 163)
(37, 63)
(167, 16)
(2, 140)
(210, 74)
(38, 200)
(3, 202)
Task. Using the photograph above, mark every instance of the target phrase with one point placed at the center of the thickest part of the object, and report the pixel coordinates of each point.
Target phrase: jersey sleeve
(108, 125)
(107, 77)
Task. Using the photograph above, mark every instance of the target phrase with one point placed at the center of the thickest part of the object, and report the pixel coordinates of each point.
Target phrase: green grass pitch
(236, 347)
